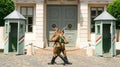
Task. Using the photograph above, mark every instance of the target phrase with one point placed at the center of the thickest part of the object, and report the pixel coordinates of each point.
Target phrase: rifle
(64, 28)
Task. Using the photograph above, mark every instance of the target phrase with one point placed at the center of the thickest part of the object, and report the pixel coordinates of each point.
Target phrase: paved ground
(76, 56)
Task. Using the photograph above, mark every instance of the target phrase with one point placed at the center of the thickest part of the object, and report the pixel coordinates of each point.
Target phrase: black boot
(53, 60)
(65, 60)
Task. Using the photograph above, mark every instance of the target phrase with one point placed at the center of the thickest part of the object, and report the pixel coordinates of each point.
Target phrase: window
(27, 12)
(95, 11)
(98, 29)
(21, 28)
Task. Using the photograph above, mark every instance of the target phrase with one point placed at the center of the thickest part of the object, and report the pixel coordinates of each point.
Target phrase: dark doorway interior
(13, 37)
(106, 38)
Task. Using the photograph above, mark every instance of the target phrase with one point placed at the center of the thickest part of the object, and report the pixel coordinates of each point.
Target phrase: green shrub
(114, 9)
(6, 7)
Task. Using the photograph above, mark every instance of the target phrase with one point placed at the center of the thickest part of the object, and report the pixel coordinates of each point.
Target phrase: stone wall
(83, 24)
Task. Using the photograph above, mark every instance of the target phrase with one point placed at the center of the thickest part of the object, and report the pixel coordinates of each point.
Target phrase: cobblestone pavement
(41, 59)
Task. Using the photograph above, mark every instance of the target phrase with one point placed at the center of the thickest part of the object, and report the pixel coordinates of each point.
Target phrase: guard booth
(14, 33)
(105, 30)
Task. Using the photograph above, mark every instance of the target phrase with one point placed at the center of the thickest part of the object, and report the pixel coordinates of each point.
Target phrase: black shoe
(52, 61)
(67, 62)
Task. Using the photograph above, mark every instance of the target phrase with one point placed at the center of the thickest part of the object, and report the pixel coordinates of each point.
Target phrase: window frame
(92, 22)
(98, 29)
(27, 16)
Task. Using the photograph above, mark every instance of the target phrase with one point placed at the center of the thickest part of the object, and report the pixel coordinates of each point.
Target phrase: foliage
(6, 7)
(114, 9)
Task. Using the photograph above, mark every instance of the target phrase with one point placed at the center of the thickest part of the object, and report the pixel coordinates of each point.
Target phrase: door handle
(70, 26)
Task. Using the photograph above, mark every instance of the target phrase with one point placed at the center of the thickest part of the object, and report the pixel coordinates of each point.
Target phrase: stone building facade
(43, 15)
